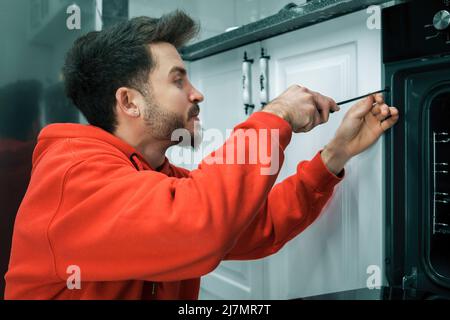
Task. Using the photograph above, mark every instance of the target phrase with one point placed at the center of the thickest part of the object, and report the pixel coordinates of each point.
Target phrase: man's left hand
(361, 127)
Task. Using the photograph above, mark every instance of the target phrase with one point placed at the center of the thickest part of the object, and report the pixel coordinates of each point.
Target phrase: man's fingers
(319, 118)
(378, 97)
(383, 111)
(324, 116)
(376, 109)
(325, 105)
(389, 122)
(362, 107)
(335, 107)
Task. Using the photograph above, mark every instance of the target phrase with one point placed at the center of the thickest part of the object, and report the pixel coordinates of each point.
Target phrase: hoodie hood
(56, 133)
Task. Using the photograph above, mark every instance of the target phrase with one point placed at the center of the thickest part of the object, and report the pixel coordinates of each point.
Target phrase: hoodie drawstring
(136, 163)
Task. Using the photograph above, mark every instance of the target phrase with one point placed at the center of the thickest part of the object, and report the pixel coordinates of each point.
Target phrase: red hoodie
(140, 233)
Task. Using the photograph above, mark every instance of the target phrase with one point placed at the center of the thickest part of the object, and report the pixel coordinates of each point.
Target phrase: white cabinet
(219, 78)
(340, 58)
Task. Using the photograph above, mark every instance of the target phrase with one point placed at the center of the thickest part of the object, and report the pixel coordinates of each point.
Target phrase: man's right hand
(302, 108)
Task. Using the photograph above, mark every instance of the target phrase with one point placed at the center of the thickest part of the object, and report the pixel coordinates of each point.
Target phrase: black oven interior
(416, 57)
(439, 186)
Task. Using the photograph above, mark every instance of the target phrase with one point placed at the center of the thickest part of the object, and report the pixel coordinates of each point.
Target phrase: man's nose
(196, 96)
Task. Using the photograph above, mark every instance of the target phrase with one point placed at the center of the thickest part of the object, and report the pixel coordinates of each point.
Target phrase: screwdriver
(360, 97)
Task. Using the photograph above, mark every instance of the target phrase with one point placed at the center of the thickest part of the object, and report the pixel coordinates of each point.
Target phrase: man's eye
(179, 82)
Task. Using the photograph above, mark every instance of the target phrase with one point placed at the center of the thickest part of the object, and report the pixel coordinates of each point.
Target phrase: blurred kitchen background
(330, 46)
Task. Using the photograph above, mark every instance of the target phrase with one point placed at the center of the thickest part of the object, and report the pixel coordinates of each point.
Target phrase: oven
(416, 57)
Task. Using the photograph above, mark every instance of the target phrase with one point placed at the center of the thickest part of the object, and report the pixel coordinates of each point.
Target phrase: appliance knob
(441, 20)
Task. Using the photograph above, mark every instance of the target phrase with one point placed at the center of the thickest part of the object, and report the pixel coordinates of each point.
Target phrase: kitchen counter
(289, 18)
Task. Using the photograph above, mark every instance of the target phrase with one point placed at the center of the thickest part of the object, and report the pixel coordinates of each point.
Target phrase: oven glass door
(417, 176)
(438, 242)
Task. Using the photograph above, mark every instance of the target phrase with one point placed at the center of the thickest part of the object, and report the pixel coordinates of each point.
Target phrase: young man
(105, 204)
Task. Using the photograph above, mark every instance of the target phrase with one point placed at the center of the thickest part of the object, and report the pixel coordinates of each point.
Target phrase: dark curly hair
(100, 62)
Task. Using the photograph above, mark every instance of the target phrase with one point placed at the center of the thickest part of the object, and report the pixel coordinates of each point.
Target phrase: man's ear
(126, 99)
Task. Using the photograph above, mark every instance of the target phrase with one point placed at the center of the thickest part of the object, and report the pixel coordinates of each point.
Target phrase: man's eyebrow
(178, 69)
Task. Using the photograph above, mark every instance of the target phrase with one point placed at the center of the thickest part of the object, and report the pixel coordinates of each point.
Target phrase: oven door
(417, 178)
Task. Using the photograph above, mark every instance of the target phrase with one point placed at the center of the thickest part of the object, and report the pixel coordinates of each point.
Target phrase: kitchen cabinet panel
(219, 78)
(340, 58)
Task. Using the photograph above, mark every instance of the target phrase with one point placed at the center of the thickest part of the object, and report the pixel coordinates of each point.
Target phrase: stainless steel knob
(441, 20)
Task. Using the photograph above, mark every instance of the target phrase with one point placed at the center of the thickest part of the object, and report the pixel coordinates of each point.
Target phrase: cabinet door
(340, 58)
(219, 78)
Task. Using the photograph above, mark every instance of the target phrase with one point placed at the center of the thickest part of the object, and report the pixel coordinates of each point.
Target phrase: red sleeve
(116, 223)
(291, 207)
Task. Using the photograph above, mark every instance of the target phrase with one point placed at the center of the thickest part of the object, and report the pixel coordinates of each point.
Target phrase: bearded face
(184, 130)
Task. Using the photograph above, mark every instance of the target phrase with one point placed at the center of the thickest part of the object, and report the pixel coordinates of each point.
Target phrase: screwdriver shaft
(360, 97)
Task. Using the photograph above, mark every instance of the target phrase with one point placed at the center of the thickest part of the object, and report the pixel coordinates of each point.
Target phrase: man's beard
(164, 125)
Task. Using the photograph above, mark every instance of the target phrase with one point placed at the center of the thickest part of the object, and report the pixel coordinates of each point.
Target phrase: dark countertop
(383, 293)
(285, 20)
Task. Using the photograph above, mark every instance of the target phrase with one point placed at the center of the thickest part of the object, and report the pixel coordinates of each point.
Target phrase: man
(106, 207)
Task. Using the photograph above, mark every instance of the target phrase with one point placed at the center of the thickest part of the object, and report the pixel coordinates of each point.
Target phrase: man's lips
(194, 112)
